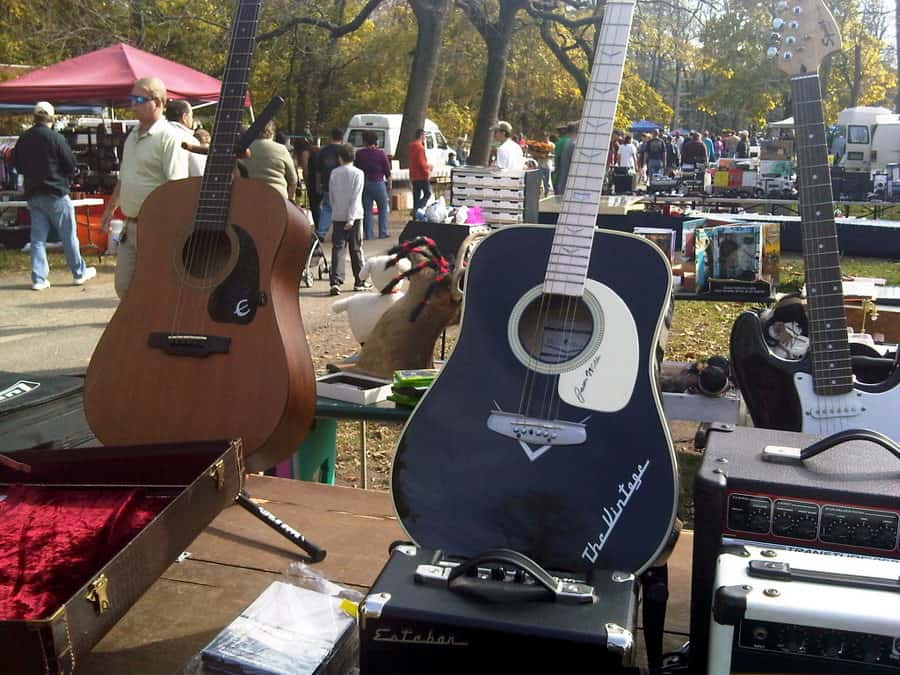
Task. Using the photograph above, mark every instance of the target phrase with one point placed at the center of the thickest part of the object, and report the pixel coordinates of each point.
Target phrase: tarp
(643, 126)
(28, 108)
(106, 76)
(786, 123)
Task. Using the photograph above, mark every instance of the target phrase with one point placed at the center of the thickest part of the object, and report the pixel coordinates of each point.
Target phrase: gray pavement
(54, 331)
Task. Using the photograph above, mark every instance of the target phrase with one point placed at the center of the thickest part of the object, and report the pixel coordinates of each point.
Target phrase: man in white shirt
(345, 188)
(152, 155)
(181, 116)
(509, 153)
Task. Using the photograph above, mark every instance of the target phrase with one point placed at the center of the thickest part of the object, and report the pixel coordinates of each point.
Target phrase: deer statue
(404, 337)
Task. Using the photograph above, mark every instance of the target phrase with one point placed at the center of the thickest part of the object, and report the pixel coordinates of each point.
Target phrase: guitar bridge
(199, 346)
(536, 430)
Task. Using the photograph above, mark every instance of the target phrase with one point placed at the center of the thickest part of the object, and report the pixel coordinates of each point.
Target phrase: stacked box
(505, 197)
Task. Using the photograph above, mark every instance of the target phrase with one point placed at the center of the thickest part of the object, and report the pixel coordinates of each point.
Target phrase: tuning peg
(782, 5)
(777, 23)
(790, 40)
(793, 24)
(797, 10)
(775, 37)
(787, 56)
(772, 52)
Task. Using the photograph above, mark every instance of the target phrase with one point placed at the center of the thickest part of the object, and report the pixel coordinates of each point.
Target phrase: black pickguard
(236, 299)
(766, 381)
(463, 488)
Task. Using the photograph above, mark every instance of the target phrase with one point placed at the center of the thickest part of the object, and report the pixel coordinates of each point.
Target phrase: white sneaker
(40, 286)
(89, 273)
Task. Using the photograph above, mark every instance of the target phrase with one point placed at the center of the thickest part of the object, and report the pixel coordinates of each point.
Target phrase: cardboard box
(703, 258)
(353, 388)
(662, 237)
(737, 252)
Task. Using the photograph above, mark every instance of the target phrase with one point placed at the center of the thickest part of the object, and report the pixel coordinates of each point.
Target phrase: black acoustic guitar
(544, 433)
(818, 393)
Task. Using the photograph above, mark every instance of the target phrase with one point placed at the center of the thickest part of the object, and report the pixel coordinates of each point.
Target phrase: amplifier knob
(796, 641)
(862, 535)
(872, 650)
(834, 645)
(759, 521)
(885, 537)
(837, 531)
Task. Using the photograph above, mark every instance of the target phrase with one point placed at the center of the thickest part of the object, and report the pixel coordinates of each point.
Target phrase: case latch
(217, 473)
(98, 595)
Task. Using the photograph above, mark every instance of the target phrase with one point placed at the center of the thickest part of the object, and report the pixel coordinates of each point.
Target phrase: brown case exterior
(206, 476)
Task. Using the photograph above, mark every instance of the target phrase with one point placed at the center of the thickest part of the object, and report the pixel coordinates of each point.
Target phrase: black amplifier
(753, 486)
(498, 613)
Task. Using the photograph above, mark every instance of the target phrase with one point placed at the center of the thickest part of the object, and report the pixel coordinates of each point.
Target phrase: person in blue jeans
(46, 160)
(326, 162)
(377, 169)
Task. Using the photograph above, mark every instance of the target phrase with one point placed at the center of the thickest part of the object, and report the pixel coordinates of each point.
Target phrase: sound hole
(205, 254)
(555, 329)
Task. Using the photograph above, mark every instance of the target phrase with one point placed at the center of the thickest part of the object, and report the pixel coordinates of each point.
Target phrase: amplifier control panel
(817, 524)
(834, 646)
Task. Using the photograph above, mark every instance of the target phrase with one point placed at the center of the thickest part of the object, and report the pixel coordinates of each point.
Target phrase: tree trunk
(431, 16)
(857, 76)
(496, 38)
(676, 97)
(897, 37)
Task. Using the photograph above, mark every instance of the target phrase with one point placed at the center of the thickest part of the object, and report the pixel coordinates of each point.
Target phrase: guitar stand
(655, 589)
(315, 553)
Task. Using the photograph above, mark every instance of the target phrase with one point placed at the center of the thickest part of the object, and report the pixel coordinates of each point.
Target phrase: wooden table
(237, 556)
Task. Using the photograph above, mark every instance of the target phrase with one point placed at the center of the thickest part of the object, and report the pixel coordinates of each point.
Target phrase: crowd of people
(663, 153)
(342, 184)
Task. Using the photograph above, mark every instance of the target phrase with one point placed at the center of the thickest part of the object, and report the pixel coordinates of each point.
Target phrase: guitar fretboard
(212, 210)
(574, 237)
(832, 370)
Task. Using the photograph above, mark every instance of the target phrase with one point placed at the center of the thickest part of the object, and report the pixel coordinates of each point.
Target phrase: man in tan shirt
(271, 162)
(152, 155)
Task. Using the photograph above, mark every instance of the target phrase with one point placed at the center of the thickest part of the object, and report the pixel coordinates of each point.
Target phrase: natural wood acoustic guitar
(209, 343)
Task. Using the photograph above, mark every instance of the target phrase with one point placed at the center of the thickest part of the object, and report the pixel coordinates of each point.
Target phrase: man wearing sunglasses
(152, 155)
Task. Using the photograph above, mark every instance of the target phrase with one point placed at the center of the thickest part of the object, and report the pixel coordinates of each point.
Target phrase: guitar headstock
(807, 32)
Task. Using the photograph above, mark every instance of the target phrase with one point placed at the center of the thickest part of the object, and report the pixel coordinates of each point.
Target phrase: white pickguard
(605, 383)
(825, 415)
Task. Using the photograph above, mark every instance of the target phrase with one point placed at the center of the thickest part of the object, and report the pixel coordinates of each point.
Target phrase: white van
(872, 137)
(387, 129)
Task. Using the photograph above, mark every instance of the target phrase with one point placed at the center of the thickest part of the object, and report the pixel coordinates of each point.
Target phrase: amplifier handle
(768, 569)
(787, 455)
(545, 586)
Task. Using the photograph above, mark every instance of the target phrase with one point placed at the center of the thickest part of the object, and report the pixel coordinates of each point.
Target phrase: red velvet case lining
(53, 540)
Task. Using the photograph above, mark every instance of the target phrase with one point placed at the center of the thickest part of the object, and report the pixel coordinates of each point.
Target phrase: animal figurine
(365, 309)
(404, 337)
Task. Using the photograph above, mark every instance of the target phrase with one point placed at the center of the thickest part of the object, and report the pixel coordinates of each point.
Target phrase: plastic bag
(436, 212)
(461, 215)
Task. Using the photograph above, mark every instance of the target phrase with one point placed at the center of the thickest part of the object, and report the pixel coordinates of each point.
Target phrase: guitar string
(568, 319)
(809, 110)
(204, 240)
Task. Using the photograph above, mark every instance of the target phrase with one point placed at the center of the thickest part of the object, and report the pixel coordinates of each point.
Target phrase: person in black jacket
(47, 162)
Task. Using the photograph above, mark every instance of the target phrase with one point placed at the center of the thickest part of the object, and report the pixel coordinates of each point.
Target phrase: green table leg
(315, 460)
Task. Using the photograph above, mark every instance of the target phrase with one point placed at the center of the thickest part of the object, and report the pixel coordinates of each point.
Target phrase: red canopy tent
(106, 76)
